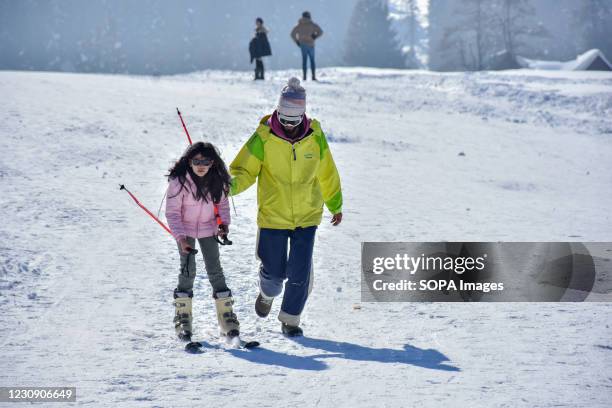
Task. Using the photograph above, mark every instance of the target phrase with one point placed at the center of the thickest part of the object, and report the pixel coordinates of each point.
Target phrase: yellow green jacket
(293, 179)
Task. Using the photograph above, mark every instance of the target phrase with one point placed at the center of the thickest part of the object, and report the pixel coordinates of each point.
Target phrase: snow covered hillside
(86, 280)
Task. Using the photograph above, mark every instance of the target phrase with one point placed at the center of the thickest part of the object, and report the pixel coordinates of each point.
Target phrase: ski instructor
(289, 157)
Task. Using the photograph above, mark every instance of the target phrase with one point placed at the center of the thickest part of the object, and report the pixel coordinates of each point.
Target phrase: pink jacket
(188, 217)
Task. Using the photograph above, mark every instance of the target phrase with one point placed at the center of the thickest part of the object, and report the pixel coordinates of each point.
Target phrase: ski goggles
(201, 162)
(290, 121)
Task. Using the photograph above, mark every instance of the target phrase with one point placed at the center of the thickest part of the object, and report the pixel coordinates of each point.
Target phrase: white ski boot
(228, 322)
(182, 315)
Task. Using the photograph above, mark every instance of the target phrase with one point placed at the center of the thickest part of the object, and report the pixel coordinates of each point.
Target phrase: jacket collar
(277, 129)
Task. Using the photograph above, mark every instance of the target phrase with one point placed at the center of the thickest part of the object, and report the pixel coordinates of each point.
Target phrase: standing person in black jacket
(259, 47)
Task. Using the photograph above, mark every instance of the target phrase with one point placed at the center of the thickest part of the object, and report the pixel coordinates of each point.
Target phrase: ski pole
(190, 143)
(184, 127)
(164, 226)
(122, 187)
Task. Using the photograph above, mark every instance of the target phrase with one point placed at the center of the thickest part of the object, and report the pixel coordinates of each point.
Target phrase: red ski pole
(164, 226)
(190, 143)
(184, 127)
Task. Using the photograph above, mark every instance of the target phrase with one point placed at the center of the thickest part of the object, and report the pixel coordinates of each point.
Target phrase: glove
(314, 36)
(222, 230)
(297, 43)
(185, 247)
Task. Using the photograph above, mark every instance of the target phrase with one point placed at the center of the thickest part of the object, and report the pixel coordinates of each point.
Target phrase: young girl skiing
(197, 199)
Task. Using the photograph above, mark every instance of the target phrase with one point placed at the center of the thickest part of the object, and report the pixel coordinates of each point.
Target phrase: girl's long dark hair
(213, 184)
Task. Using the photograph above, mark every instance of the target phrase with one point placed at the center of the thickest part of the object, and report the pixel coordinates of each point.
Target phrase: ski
(198, 347)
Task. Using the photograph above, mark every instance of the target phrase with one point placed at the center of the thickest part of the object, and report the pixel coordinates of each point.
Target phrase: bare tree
(413, 22)
(471, 34)
(594, 20)
(519, 25)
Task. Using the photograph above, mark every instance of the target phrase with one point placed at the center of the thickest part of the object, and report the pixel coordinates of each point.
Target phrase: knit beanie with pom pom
(292, 101)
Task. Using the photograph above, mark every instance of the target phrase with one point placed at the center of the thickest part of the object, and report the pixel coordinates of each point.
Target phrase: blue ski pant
(286, 255)
(308, 52)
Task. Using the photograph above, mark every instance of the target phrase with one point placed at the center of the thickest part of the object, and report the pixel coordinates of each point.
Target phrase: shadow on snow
(410, 355)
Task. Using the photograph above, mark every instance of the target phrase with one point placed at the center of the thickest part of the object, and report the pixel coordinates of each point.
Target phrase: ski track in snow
(87, 278)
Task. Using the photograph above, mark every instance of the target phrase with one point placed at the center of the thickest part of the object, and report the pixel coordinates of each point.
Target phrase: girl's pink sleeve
(174, 205)
(224, 210)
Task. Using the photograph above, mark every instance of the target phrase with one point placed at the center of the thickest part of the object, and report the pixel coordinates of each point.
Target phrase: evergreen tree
(370, 39)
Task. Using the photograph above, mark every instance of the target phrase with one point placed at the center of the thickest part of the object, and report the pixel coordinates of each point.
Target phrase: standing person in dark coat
(304, 34)
(259, 47)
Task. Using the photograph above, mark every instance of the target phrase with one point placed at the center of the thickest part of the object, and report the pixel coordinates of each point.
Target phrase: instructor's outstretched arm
(246, 166)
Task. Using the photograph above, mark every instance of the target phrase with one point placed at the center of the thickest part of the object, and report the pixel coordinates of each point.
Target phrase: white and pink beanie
(292, 102)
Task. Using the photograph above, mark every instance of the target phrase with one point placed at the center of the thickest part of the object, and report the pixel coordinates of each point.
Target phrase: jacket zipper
(198, 220)
(291, 184)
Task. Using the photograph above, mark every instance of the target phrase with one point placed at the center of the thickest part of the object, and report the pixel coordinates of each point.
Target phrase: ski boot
(182, 315)
(263, 304)
(228, 322)
(292, 331)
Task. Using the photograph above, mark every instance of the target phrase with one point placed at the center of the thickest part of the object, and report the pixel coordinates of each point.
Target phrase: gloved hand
(185, 247)
(336, 219)
(297, 43)
(222, 230)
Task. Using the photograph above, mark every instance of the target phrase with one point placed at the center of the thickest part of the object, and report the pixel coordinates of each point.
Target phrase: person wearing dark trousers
(304, 35)
(259, 47)
(276, 266)
(289, 157)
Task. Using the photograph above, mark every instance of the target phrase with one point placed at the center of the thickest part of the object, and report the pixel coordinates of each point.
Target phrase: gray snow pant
(210, 251)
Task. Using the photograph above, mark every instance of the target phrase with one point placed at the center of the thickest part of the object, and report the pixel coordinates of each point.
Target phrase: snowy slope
(87, 278)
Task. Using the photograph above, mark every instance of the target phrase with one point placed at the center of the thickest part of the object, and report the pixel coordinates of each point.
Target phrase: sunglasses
(290, 121)
(201, 162)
